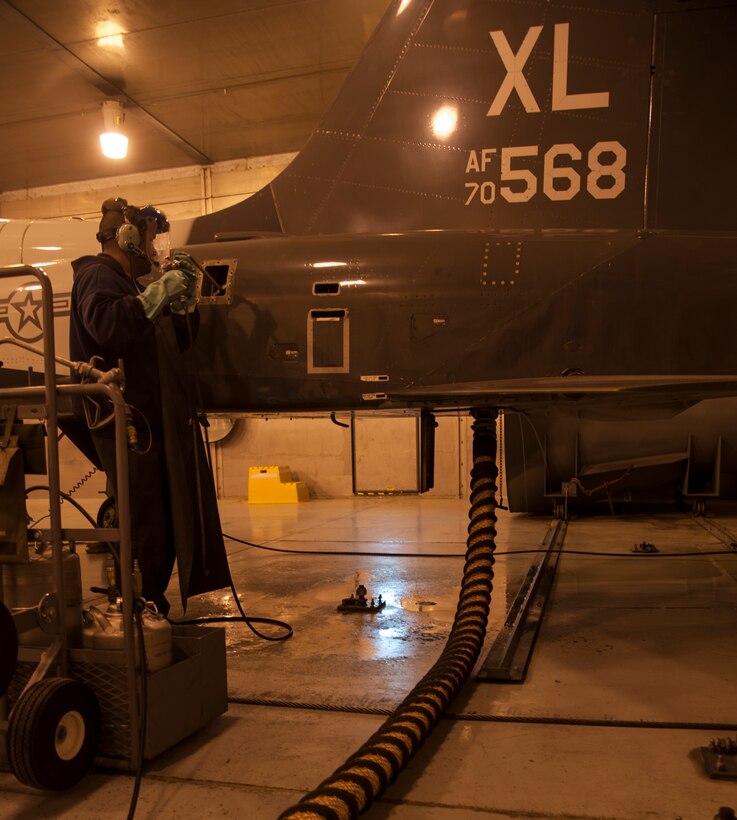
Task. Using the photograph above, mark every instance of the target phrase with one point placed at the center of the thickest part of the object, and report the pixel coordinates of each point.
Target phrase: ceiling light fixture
(113, 142)
(109, 34)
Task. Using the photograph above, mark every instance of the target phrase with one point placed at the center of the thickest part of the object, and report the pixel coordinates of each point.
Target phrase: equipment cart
(64, 707)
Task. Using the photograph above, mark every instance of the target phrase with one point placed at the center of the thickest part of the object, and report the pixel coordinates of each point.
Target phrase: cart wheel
(107, 515)
(8, 648)
(53, 733)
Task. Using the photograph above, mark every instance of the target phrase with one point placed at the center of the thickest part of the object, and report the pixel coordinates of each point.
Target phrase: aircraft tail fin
(295, 202)
(481, 114)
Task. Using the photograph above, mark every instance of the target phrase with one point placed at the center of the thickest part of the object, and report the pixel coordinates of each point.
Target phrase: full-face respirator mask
(147, 225)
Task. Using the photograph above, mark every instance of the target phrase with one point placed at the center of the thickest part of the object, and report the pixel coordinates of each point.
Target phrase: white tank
(24, 585)
(104, 630)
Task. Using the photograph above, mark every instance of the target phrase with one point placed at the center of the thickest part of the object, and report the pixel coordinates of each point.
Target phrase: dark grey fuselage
(432, 308)
(506, 190)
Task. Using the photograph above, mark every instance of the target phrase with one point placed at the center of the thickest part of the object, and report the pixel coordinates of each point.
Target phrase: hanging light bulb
(113, 142)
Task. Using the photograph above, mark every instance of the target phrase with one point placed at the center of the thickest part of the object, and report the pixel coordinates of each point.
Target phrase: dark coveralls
(173, 505)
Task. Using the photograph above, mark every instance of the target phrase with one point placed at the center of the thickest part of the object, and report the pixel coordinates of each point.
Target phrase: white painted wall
(320, 453)
(317, 451)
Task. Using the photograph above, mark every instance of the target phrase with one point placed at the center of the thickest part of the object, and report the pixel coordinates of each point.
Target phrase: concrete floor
(645, 641)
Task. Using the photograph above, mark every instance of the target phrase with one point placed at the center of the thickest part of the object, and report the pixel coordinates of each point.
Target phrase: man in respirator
(173, 506)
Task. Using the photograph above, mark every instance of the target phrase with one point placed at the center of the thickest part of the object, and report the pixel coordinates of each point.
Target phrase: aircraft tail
(473, 114)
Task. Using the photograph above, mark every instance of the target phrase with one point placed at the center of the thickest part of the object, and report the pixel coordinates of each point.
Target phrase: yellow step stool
(274, 485)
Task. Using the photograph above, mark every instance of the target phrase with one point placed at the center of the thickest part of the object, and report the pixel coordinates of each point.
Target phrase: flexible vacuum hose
(367, 773)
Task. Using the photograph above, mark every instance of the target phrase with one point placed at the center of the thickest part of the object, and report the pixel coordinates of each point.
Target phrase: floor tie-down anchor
(720, 758)
(359, 602)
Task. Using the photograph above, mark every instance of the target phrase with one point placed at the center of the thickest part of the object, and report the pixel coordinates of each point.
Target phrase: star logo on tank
(21, 311)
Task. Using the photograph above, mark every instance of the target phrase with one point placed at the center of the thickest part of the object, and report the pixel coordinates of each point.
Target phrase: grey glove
(184, 304)
(158, 294)
(186, 264)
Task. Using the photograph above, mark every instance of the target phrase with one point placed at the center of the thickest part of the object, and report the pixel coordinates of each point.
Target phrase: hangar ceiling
(200, 82)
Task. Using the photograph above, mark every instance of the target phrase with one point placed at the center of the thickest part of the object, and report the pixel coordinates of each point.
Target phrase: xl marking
(516, 80)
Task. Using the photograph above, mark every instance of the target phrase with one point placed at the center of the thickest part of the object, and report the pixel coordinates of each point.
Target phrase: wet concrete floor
(634, 669)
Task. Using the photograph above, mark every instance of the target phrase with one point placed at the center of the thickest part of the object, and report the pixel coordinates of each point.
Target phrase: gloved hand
(158, 294)
(184, 304)
(187, 302)
(186, 264)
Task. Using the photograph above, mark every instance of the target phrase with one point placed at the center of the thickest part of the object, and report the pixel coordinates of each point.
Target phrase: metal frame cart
(63, 706)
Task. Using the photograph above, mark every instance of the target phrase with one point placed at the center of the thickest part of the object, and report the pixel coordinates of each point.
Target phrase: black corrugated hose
(351, 789)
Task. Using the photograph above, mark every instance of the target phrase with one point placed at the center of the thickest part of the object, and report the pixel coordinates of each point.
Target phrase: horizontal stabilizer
(639, 462)
(571, 391)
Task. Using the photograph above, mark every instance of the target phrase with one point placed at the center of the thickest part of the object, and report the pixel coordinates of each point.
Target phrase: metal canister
(104, 630)
(25, 585)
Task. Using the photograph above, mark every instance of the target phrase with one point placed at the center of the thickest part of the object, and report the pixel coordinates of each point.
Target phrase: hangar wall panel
(181, 192)
(317, 451)
(385, 455)
(320, 453)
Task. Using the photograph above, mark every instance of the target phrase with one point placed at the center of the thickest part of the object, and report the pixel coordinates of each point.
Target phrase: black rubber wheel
(107, 515)
(53, 733)
(8, 648)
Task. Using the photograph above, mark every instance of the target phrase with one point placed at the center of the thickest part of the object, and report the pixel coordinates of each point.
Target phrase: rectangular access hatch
(326, 288)
(327, 341)
(217, 286)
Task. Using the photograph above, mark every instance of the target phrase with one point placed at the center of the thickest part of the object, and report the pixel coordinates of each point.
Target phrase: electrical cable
(501, 462)
(248, 620)
(497, 553)
(78, 506)
(143, 712)
(82, 481)
(344, 552)
(524, 462)
(500, 718)
(81, 509)
(35, 523)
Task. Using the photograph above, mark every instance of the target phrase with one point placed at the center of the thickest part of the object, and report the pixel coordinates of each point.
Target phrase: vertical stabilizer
(479, 114)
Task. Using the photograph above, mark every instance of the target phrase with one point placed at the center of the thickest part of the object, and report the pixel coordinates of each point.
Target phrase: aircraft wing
(676, 392)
